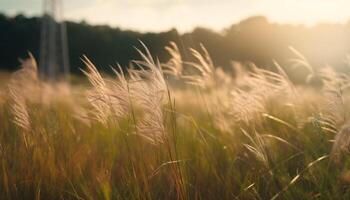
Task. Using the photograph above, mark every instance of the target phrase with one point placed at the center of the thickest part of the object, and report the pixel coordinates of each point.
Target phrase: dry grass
(136, 136)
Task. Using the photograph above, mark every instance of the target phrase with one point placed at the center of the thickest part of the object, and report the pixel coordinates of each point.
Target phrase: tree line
(254, 39)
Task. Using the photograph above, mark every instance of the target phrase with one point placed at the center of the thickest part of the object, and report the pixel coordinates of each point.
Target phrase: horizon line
(217, 30)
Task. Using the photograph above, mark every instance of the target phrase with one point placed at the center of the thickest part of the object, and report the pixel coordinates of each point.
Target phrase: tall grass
(136, 135)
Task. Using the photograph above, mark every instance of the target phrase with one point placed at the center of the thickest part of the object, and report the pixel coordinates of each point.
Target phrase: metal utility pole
(54, 61)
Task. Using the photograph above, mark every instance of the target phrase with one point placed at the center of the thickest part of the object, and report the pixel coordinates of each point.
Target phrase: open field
(254, 135)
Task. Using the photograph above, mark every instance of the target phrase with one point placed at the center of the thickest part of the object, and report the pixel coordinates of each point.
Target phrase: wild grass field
(176, 130)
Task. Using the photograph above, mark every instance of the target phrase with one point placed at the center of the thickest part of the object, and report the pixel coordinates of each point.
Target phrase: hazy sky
(159, 15)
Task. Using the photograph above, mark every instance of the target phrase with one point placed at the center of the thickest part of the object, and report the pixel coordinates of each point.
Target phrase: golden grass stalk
(149, 89)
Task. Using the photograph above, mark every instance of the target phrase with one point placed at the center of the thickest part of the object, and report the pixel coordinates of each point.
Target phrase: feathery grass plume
(334, 85)
(248, 98)
(203, 73)
(174, 66)
(119, 92)
(316, 77)
(207, 75)
(109, 98)
(23, 85)
(26, 79)
(301, 61)
(333, 117)
(245, 105)
(33, 89)
(97, 96)
(283, 78)
(19, 108)
(333, 114)
(149, 88)
(268, 83)
(151, 126)
(244, 98)
(258, 148)
(28, 71)
(205, 67)
(218, 106)
(227, 102)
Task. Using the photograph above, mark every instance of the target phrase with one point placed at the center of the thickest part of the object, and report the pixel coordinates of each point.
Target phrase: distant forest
(252, 40)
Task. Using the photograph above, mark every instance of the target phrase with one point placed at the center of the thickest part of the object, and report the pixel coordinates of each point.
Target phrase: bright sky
(160, 15)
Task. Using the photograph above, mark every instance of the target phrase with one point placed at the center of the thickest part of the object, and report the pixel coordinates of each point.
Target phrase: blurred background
(258, 31)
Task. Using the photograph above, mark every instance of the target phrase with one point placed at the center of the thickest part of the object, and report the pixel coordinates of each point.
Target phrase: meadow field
(176, 130)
